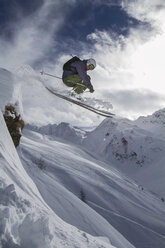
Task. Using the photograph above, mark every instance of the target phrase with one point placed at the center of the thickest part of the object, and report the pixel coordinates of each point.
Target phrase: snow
(68, 169)
(118, 168)
(6, 92)
(26, 219)
(137, 148)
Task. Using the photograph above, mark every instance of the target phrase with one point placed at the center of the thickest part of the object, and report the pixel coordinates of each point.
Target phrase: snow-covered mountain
(65, 187)
(135, 147)
(63, 130)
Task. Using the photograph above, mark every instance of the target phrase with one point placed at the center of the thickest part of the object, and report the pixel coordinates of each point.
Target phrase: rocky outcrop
(14, 123)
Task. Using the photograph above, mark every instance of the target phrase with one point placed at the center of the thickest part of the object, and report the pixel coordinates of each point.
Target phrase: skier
(75, 74)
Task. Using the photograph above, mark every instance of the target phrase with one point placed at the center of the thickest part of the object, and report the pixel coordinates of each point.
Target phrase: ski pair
(83, 105)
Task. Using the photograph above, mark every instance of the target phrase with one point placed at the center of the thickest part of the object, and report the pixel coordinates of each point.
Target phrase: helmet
(91, 63)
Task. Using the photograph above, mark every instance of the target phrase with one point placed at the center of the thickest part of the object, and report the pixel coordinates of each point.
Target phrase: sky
(126, 38)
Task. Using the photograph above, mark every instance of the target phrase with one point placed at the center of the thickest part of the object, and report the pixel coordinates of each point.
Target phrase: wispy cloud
(33, 36)
(145, 10)
(133, 103)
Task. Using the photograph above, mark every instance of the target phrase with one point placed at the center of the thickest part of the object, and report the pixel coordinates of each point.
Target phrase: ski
(83, 105)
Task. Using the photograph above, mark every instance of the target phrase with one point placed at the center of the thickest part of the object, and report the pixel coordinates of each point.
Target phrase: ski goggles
(91, 67)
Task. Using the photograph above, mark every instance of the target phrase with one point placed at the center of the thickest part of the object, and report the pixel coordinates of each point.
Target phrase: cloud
(133, 103)
(133, 63)
(131, 68)
(33, 36)
(145, 10)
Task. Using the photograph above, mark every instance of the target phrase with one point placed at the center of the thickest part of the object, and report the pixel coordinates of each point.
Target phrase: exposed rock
(14, 123)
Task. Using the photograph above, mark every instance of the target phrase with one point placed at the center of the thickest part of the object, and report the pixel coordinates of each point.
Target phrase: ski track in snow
(132, 221)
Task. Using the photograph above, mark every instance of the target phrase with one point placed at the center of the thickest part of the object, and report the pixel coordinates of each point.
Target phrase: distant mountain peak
(160, 114)
(157, 118)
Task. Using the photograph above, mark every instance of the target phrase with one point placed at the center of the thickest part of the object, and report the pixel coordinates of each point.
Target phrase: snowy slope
(61, 171)
(26, 219)
(67, 169)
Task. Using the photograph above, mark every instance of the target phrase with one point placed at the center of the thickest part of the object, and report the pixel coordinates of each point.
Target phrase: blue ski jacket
(78, 67)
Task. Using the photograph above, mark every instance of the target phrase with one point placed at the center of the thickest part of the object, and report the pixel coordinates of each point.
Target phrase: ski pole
(45, 73)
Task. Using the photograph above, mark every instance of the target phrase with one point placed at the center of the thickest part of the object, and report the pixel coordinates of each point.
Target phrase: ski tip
(42, 72)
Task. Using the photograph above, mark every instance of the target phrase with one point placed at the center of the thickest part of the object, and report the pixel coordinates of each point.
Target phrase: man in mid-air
(75, 74)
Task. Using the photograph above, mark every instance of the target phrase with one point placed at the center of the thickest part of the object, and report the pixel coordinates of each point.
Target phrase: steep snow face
(10, 91)
(64, 172)
(26, 219)
(6, 87)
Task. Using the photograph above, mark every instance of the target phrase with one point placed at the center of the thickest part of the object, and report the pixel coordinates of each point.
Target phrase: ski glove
(90, 87)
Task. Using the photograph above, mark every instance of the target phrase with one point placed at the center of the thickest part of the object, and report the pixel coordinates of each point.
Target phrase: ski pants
(76, 82)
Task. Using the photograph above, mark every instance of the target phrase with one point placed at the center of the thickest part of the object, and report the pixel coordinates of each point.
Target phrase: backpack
(67, 66)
